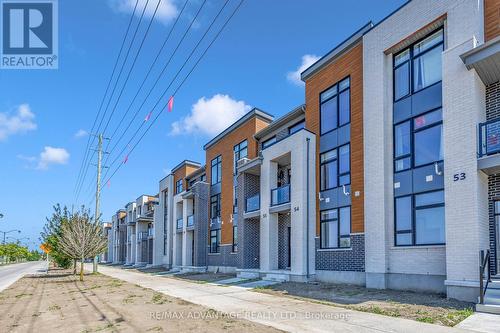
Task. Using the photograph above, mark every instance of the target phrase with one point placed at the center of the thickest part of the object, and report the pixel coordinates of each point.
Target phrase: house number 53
(459, 176)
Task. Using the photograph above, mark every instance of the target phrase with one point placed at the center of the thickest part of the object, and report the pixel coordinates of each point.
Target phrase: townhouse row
(388, 176)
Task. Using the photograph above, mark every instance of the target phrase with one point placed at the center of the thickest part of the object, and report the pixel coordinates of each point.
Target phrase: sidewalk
(286, 314)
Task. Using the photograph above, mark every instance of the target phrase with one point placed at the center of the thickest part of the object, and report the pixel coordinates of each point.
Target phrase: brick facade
(350, 260)
(493, 112)
(224, 147)
(349, 64)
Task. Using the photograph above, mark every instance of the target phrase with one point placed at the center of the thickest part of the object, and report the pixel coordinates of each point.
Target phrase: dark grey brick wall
(248, 229)
(284, 222)
(493, 112)
(352, 260)
(224, 258)
(493, 101)
(200, 204)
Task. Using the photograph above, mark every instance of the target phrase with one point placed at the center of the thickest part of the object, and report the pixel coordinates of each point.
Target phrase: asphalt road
(11, 273)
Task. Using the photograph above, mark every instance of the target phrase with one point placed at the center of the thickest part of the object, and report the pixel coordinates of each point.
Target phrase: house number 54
(459, 176)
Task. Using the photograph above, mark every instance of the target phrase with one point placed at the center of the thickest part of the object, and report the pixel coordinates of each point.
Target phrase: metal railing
(179, 223)
(489, 138)
(280, 195)
(190, 220)
(484, 264)
(252, 203)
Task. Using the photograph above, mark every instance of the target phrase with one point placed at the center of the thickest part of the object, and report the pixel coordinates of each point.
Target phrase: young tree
(51, 231)
(81, 237)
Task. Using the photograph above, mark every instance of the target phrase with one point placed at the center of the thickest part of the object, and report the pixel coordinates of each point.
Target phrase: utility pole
(98, 188)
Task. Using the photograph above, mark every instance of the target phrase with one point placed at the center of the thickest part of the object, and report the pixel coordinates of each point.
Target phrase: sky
(46, 115)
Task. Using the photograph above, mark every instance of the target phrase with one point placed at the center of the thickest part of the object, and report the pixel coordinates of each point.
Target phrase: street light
(1, 216)
(8, 232)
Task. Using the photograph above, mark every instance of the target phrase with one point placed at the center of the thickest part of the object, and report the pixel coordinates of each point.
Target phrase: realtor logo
(29, 34)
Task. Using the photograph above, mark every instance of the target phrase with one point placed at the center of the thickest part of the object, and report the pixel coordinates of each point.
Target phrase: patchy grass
(129, 299)
(23, 295)
(159, 298)
(54, 307)
(422, 307)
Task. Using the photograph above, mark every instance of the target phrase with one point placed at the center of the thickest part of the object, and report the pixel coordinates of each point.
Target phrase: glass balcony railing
(489, 138)
(252, 203)
(151, 232)
(280, 195)
(190, 221)
(179, 223)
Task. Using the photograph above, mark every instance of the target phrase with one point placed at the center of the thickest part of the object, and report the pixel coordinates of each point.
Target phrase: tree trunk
(94, 266)
(81, 270)
(74, 266)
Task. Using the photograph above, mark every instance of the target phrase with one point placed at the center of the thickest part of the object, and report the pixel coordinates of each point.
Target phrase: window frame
(179, 186)
(337, 161)
(217, 207)
(300, 125)
(215, 234)
(413, 223)
(216, 164)
(409, 61)
(237, 149)
(339, 236)
(336, 95)
(269, 142)
(235, 239)
(414, 131)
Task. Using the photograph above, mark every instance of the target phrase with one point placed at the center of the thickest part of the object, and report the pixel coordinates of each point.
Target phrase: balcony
(151, 232)
(280, 195)
(143, 235)
(489, 146)
(252, 204)
(190, 221)
(179, 223)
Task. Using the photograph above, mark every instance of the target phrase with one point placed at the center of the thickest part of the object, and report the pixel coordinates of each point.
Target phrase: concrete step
(277, 277)
(493, 284)
(494, 309)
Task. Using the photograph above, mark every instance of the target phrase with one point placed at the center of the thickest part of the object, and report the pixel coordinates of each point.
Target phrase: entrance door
(192, 250)
(289, 242)
(497, 233)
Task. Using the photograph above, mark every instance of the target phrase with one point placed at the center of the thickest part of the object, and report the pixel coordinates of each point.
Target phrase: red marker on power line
(170, 103)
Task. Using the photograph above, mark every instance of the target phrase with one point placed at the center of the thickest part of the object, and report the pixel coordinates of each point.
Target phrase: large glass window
(214, 240)
(335, 228)
(216, 170)
(178, 186)
(420, 219)
(240, 151)
(418, 66)
(418, 141)
(335, 106)
(215, 206)
(335, 168)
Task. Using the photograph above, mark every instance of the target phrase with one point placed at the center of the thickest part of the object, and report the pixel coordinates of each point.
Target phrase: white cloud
(166, 11)
(51, 155)
(20, 121)
(81, 133)
(211, 116)
(307, 60)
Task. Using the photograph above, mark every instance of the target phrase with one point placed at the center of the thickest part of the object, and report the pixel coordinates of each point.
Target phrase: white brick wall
(466, 203)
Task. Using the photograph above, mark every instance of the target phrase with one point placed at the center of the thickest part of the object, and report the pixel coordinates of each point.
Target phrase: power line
(89, 189)
(193, 20)
(180, 85)
(164, 92)
(113, 90)
(104, 97)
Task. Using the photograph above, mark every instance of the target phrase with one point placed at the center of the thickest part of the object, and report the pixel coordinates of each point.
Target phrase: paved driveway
(283, 313)
(11, 273)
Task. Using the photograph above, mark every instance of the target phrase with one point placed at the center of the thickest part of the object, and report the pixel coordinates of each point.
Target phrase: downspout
(307, 207)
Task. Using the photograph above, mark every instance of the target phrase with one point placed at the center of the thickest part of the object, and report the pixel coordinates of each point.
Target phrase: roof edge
(280, 121)
(187, 162)
(253, 112)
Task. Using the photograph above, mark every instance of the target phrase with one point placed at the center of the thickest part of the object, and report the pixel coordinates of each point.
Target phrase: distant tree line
(12, 252)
